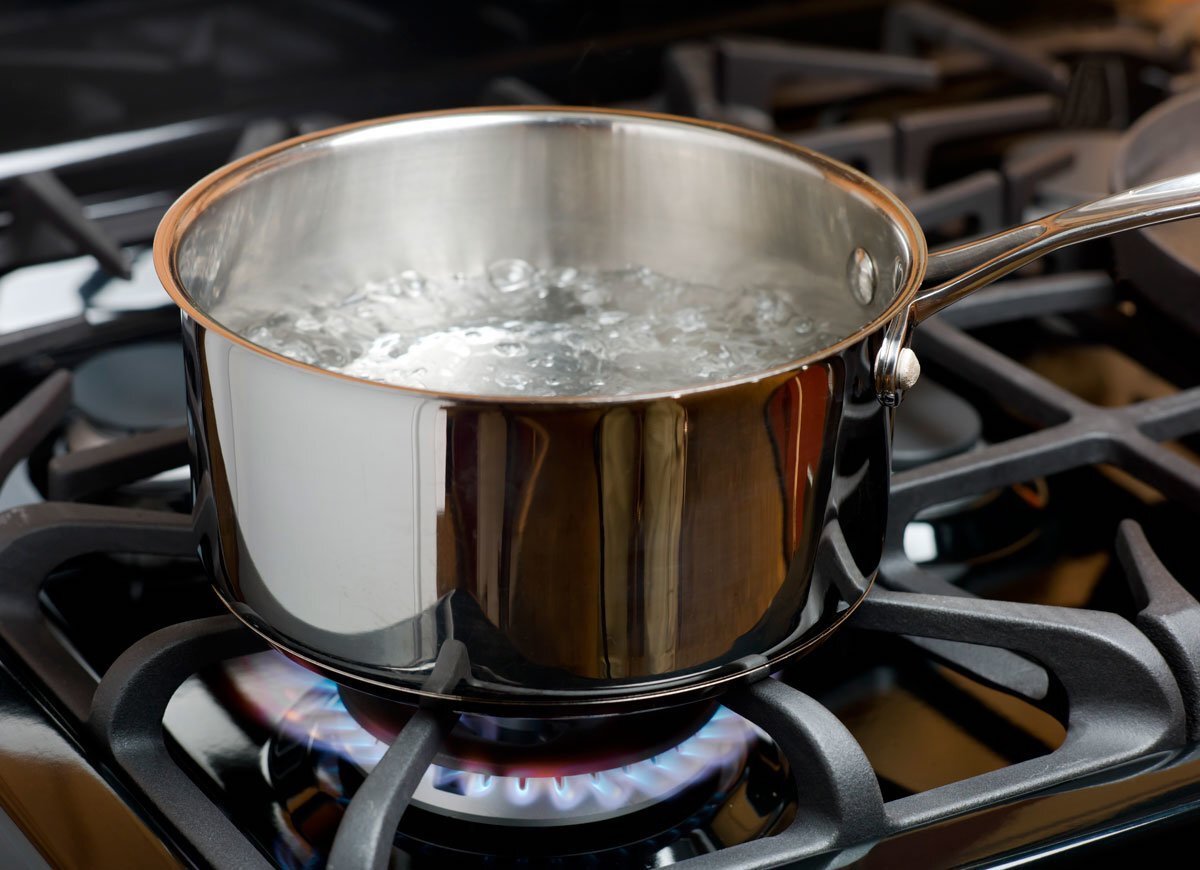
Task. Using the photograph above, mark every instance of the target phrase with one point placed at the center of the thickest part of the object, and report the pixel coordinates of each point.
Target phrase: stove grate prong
(840, 801)
(1168, 615)
(37, 538)
(82, 473)
(910, 24)
(365, 834)
(1089, 652)
(43, 204)
(126, 717)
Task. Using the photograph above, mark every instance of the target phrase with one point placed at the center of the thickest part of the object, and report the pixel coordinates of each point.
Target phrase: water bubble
(390, 345)
(513, 381)
(509, 348)
(804, 326)
(563, 276)
(771, 308)
(330, 357)
(690, 320)
(412, 283)
(594, 297)
(612, 317)
(509, 276)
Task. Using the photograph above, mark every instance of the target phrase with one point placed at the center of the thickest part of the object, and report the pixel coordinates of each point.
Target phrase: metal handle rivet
(862, 276)
(908, 369)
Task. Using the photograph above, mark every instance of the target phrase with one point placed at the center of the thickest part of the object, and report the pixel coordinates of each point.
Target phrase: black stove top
(1021, 684)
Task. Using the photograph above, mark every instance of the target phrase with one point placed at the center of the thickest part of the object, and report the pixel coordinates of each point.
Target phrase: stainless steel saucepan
(590, 553)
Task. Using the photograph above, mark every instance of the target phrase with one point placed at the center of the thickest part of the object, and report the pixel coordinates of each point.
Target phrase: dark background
(72, 69)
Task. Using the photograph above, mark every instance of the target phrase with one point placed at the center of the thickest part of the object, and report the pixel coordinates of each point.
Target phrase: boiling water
(522, 331)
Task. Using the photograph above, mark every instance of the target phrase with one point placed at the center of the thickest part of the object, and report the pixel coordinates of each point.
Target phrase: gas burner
(125, 391)
(134, 388)
(539, 747)
(713, 756)
(999, 728)
(977, 528)
(936, 424)
(721, 782)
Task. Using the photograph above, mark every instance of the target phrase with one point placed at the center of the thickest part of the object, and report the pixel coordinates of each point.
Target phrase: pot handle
(954, 272)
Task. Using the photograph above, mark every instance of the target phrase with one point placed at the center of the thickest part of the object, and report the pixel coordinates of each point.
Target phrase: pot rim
(212, 187)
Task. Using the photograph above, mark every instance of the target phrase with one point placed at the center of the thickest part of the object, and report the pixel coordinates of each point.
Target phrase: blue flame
(316, 713)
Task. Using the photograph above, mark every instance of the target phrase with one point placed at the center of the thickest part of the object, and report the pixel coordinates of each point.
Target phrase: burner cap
(539, 747)
(933, 424)
(135, 388)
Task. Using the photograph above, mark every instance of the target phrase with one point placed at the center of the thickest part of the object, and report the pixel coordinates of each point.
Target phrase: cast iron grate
(1127, 693)
(48, 221)
(1124, 694)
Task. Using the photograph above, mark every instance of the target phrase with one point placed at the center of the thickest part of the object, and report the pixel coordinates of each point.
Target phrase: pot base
(481, 696)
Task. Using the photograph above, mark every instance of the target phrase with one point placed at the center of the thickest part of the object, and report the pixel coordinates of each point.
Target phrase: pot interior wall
(453, 193)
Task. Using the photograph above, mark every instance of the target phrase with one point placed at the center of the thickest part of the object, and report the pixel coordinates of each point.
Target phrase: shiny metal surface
(449, 193)
(908, 369)
(1161, 202)
(954, 272)
(589, 552)
(583, 553)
